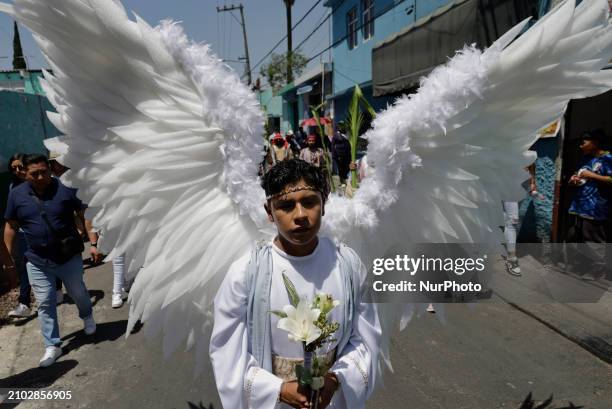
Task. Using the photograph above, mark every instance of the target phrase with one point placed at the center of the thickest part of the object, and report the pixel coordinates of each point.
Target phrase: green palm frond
(354, 118)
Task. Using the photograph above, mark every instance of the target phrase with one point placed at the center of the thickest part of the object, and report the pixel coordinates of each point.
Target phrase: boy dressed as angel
(254, 360)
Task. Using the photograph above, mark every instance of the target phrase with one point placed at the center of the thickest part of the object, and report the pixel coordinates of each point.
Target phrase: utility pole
(240, 7)
(288, 5)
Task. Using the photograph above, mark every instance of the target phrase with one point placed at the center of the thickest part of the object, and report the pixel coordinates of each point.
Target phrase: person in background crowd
(272, 135)
(293, 143)
(118, 280)
(341, 153)
(323, 141)
(16, 170)
(44, 208)
(511, 223)
(591, 203)
(300, 137)
(118, 265)
(22, 309)
(279, 149)
(311, 153)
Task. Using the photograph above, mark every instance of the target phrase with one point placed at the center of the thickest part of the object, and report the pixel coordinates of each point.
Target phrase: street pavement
(489, 355)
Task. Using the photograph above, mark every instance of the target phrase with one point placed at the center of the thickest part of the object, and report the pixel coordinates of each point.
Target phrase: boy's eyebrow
(284, 201)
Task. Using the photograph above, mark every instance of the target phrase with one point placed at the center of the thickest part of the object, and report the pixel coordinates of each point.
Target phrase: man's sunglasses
(18, 167)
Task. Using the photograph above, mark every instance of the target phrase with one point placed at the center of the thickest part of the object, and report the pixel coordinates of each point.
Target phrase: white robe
(241, 381)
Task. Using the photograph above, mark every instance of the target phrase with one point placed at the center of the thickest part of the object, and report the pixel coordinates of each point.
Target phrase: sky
(265, 23)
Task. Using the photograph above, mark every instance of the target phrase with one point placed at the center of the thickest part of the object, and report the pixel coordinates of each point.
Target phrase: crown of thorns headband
(294, 189)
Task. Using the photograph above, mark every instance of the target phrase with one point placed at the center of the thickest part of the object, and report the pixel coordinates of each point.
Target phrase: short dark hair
(290, 172)
(16, 156)
(35, 158)
(596, 136)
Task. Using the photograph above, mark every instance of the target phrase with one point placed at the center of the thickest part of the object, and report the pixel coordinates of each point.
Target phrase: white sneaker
(116, 301)
(50, 356)
(89, 325)
(512, 266)
(21, 311)
(59, 297)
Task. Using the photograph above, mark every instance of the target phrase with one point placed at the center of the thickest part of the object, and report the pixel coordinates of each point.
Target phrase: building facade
(386, 46)
(307, 92)
(357, 25)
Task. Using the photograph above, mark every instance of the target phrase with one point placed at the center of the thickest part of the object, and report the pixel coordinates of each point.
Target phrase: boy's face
(297, 215)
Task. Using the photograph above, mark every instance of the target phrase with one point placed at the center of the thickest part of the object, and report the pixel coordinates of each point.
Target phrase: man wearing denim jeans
(44, 209)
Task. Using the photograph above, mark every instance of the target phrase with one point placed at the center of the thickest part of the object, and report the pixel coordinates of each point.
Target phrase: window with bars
(368, 18)
(351, 28)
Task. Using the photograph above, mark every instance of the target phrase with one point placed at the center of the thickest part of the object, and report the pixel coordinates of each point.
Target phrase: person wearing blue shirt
(23, 307)
(44, 209)
(591, 203)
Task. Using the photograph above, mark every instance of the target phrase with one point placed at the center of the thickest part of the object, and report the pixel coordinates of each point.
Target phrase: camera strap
(43, 215)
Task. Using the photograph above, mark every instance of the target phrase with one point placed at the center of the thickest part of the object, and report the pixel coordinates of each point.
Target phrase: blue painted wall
(536, 212)
(354, 66)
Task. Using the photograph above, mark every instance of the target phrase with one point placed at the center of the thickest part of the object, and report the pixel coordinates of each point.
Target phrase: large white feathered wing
(164, 143)
(444, 158)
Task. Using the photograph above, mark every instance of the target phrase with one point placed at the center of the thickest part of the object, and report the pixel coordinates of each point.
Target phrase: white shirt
(315, 273)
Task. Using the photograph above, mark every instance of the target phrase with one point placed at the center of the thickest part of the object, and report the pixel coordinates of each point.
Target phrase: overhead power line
(285, 37)
(314, 31)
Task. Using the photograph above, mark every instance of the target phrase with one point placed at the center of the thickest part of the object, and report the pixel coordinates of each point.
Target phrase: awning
(403, 58)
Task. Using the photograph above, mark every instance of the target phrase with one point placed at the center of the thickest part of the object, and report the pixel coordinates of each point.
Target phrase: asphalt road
(477, 357)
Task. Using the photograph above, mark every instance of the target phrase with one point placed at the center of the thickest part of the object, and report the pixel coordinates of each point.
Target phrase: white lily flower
(299, 322)
(325, 302)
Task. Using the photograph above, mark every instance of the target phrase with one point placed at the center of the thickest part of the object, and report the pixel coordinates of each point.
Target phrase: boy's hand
(330, 386)
(293, 395)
